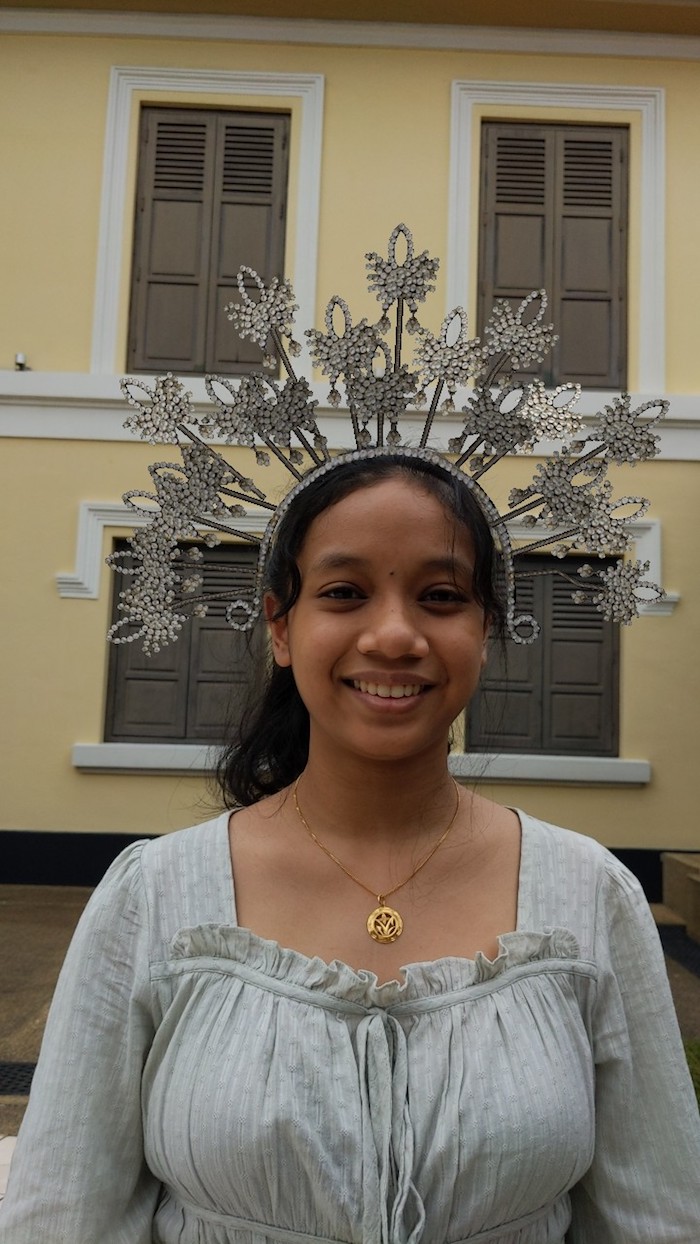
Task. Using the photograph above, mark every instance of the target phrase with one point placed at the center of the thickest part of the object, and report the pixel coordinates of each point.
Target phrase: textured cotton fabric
(201, 1085)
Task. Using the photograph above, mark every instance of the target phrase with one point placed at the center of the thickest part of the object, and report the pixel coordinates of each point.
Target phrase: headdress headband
(568, 504)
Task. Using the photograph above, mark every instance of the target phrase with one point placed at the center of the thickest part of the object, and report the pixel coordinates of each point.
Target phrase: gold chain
(384, 924)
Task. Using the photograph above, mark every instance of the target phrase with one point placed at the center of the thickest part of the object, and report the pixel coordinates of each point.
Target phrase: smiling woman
(342, 530)
(379, 652)
(386, 634)
(230, 1057)
(364, 1005)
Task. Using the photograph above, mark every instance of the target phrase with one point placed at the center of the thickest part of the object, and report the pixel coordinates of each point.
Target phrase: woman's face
(386, 641)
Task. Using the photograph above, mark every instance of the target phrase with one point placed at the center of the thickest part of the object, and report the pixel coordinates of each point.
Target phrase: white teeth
(386, 691)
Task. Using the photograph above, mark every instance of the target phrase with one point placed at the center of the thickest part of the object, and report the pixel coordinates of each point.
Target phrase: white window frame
(127, 86)
(469, 99)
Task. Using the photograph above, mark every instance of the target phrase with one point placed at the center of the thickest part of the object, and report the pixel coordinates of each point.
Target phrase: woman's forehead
(394, 518)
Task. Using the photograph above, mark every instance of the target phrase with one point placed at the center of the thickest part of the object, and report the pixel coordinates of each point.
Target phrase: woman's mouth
(386, 691)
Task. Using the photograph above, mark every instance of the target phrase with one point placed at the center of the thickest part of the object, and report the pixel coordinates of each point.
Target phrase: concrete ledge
(577, 770)
(681, 887)
(190, 758)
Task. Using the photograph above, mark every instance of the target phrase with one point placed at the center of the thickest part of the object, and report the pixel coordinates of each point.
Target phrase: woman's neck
(377, 801)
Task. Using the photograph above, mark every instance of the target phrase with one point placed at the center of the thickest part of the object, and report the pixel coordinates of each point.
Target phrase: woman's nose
(392, 631)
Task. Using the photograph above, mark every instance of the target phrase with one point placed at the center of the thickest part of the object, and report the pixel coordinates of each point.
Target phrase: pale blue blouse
(201, 1085)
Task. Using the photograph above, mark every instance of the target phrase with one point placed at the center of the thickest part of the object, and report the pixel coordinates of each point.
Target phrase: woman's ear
(279, 631)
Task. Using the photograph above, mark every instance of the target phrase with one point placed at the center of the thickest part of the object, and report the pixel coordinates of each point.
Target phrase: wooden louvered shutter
(558, 695)
(211, 195)
(248, 224)
(147, 696)
(580, 676)
(515, 235)
(507, 713)
(221, 658)
(554, 215)
(173, 240)
(193, 689)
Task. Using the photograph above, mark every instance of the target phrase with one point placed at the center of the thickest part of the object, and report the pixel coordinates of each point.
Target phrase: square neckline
(362, 973)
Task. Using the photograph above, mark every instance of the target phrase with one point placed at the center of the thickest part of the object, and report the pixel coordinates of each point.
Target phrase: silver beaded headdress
(568, 504)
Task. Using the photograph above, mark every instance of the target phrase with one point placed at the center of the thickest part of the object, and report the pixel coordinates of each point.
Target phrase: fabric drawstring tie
(389, 1195)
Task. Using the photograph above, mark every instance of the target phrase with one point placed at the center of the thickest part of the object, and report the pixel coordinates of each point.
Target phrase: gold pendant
(384, 924)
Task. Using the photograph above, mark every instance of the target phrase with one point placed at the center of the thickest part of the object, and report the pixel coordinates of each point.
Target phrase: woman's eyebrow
(451, 565)
(433, 565)
(338, 561)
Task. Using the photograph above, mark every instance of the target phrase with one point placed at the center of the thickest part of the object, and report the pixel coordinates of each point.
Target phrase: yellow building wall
(385, 158)
(386, 132)
(55, 675)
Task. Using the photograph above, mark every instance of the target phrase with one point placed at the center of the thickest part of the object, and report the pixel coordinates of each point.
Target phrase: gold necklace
(384, 924)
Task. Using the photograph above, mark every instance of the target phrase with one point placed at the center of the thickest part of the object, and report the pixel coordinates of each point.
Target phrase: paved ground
(36, 923)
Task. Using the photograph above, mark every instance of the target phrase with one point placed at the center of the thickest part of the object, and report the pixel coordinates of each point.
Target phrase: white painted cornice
(352, 34)
(93, 518)
(85, 406)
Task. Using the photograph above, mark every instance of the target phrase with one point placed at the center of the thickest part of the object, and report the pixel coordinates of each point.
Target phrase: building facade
(355, 126)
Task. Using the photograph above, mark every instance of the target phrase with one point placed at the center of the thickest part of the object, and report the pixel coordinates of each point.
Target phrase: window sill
(572, 770)
(193, 759)
(185, 758)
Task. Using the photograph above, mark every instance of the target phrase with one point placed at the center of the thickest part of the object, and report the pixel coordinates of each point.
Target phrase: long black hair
(270, 747)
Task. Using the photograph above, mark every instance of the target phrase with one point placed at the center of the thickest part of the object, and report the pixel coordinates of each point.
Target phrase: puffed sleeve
(644, 1184)
(78, 1174)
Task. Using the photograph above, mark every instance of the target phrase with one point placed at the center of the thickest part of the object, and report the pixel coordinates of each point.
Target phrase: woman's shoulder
(177, 880)
(190, 848)
(568, 847)
(571, 879)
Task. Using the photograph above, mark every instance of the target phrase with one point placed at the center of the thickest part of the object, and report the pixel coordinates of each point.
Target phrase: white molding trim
(193, 759)
(576, 770)
(85, 407)
(125, 82)
(649, 102)
(93, 516)
(436, 36)
(185, 758)
(646, 537)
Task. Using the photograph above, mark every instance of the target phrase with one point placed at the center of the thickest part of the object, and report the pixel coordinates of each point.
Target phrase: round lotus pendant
(384, 924)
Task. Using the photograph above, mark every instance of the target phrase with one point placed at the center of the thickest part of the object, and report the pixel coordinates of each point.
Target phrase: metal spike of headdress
(568, 504)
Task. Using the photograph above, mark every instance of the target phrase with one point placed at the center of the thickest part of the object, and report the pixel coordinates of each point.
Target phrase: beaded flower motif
(568, 505)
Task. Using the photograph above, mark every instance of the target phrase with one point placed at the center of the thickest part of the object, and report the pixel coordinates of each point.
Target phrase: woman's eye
(341, 591)
(445, 596)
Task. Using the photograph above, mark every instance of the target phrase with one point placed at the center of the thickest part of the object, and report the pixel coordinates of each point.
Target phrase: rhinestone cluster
(624, 589)
(158, 419)
(255, 318)
(629, 438)
(349, 353)
(410, 280)
(260, 407)
(517, 333)
(453, 362)
(568, 505)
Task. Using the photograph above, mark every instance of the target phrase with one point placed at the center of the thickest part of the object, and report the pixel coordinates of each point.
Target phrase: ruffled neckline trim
(339, 980)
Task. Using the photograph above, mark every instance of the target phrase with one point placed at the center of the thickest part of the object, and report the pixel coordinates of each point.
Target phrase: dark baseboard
(31, 857)
(646, 866)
